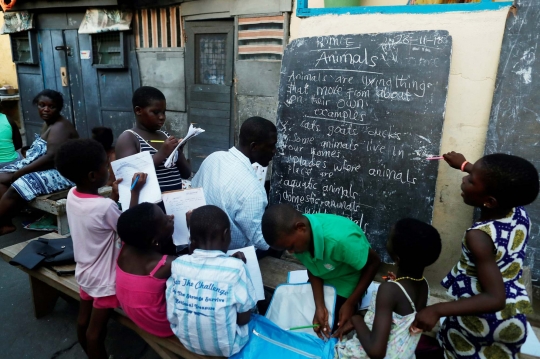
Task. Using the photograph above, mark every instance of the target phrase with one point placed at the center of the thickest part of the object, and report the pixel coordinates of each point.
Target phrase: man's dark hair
(256, 129)
(207, 223)
(512, 180)
(103, 135)
(137, 226)
(55, 96)
(417, 243)
(277, 220)
(144, 95)
(76, 158)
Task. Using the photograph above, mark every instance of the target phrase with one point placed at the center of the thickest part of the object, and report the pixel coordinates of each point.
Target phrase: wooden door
(209, 79)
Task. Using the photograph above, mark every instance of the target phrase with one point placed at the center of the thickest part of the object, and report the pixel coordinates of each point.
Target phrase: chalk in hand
(134, 182)
(435, 158)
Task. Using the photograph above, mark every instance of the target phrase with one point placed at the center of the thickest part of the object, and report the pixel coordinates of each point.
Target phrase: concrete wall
(477, 41)
(8, 73)
(164, 69)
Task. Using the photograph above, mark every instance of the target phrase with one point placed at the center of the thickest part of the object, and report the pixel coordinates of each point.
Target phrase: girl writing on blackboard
(488, 320)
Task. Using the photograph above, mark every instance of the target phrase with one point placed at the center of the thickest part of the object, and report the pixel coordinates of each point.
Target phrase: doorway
(209, 80)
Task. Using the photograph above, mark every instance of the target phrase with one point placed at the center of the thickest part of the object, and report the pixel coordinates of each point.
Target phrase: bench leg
(43, 296)
(62, 223)
(162, 352)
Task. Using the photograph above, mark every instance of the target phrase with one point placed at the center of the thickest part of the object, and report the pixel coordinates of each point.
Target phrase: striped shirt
(230, 182)
(169, 178)
(205, 292)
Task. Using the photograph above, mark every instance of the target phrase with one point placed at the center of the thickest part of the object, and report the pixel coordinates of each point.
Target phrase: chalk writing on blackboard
(357, 115)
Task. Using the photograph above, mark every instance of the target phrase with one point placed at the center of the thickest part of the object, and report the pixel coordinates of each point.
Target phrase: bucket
(341, 3)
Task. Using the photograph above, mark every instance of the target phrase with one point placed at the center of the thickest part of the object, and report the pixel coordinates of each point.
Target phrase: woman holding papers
(149, 105)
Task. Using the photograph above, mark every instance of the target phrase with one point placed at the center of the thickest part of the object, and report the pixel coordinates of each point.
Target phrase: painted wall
(8, 74)
(477, 41)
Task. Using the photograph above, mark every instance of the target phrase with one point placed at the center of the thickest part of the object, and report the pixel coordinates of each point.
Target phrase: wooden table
(47, 286)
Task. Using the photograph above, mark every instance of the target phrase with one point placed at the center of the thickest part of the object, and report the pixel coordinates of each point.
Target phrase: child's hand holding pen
(321, 321)
(137, 183)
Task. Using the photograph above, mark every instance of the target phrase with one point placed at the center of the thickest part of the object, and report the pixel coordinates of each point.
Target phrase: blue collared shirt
(230, 183)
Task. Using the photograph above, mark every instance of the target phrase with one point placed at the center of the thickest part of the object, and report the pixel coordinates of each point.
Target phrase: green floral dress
(495, 335)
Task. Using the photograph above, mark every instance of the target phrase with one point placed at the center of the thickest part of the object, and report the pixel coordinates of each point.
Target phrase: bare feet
(7, 228)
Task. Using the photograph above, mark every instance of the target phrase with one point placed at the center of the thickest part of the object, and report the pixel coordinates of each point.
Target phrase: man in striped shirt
(230, 181)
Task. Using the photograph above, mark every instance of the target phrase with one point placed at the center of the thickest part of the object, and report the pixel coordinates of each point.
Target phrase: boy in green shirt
(334, 250)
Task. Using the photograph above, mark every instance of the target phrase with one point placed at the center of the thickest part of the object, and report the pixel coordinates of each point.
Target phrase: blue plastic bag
(267, 340)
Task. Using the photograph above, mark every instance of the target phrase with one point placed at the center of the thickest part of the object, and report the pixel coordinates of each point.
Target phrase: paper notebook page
(252, 264)
(532, 344)
(178, 203)
(366, 300)
(126, 167)
(297, 276)
(192, 132)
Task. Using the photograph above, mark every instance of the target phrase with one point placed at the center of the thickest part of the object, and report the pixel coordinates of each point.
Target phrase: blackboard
(514, 125)
(357, 116)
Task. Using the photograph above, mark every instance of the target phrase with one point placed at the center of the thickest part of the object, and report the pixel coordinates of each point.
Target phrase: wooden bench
(55, 204)
(46, 286)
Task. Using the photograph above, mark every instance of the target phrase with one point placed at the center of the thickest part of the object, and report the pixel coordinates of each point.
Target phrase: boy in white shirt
(210, 294)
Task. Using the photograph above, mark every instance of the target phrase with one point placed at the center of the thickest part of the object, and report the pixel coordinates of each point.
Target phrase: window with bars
(261, 38)
(108, 50)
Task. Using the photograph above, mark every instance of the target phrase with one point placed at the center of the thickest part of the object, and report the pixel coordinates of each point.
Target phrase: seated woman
(35, 175)
(10, 141)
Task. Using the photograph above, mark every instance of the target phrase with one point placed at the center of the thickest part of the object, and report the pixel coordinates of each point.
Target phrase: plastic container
(341, 3)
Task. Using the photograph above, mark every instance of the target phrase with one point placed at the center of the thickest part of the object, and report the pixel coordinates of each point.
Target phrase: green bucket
(341, 3)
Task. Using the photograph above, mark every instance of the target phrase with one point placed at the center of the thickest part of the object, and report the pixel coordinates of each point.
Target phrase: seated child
(210, 294)
(149, 105)
(334, 250)
(141, 270)
(92, 222)
(384, 331)
(488, 320)
(104, 135)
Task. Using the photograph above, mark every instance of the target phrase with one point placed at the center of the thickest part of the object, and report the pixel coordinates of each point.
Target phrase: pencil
(305, 327)
(158, 141)
(134, 182)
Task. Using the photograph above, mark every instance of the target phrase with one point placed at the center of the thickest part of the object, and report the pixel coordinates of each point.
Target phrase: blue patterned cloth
(39, 183)
(496, 335)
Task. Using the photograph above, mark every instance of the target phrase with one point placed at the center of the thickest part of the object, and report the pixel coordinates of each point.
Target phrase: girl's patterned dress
(39, 183)
(401, 343)
(497, 335)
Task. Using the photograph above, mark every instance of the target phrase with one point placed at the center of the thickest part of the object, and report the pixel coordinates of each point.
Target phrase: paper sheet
(254, 270)
(366, 300)
(532, 344)
(126, 167)
(301, 276)
(179, 203)
(192, 132)
(297, 276)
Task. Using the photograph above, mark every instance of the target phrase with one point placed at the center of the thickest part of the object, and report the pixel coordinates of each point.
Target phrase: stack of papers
(126, 167)
(192, 132)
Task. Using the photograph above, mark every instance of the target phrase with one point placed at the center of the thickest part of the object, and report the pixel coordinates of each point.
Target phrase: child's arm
(368, 273)
(321, 313)
(375, 341)
(243, 318)
(493, 296)
(136, 191)
(456, 160)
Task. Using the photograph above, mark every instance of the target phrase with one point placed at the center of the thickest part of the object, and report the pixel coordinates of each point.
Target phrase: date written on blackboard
(356, 115)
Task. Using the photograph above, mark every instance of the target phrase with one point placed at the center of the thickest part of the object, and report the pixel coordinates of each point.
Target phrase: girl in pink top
(92, 221)
(141, 269)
